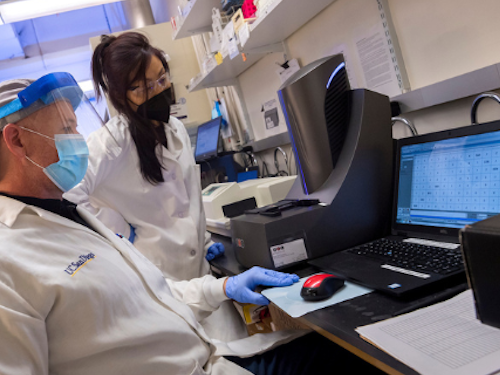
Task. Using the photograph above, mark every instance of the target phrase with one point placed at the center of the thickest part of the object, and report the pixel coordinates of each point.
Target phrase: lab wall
(439, 40)
(183, 66)
(444, 39)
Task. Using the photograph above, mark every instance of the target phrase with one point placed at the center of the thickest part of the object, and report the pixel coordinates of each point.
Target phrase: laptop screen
(450, 179)
(207, 139)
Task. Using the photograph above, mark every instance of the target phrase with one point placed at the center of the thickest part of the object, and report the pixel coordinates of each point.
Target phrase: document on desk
(288, 298)
(443, 339)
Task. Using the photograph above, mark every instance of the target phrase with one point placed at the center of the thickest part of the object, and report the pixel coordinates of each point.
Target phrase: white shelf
(281, 19)
(225, 74)
(465, 85)
(266, 34)
(198, 18)
(272, 141)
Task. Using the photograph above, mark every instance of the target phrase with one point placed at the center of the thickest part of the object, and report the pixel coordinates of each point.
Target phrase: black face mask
(158, 107)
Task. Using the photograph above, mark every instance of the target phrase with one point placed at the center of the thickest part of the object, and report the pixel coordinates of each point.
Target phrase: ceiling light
(20, 10)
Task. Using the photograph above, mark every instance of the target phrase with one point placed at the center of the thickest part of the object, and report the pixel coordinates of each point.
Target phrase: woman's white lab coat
(168, 218)
(74, 301)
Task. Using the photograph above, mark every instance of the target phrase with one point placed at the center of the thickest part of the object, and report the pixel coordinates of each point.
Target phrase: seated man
(75, 298)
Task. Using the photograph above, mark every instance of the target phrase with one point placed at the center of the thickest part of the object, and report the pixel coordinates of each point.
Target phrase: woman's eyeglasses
(162, 82)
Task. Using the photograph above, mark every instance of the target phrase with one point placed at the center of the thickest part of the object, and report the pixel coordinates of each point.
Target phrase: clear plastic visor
(61, 111)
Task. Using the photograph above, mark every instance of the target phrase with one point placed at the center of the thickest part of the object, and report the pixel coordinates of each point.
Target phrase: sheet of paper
(284, 74)
(244, 34)
(289, 300)
(210, 63)
(232, 48)
(227, 36)
(376, 62)
(443, 339)
(272, 117)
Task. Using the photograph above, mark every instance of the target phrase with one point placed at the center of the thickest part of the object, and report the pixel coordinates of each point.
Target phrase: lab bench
(338, 322)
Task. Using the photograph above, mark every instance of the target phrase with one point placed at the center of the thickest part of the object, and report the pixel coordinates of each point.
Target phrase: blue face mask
(73, 160)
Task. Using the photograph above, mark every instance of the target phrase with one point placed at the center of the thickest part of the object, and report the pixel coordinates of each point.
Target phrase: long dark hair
(117, 63)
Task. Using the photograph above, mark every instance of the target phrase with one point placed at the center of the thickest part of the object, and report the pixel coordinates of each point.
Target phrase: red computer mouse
(320, 287)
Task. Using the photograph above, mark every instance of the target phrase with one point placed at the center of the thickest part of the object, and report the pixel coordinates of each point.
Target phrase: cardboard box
(282, 321)
(263, 319)
(257, 318)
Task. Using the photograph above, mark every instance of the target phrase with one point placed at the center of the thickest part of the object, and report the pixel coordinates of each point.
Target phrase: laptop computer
(207, 140)
(443, 181)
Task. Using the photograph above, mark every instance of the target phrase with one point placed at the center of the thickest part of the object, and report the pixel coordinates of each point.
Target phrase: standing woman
(142, 180)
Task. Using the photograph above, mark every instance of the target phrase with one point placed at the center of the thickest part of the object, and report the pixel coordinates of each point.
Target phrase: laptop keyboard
(412, 256)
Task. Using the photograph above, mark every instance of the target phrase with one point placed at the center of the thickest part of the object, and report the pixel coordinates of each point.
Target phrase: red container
(248, 8)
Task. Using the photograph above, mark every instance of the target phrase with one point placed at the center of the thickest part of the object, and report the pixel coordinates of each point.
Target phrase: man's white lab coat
(168, 217)
(73, 301)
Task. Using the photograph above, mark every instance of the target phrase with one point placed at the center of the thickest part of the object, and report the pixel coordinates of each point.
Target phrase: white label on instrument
(406, 272)
(289, 252)
(445, 245)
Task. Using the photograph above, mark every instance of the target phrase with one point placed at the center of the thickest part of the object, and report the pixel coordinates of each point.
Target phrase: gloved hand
(241, 288)
(214, 251)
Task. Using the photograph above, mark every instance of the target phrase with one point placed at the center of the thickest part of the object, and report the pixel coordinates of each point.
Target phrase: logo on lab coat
(74, 267)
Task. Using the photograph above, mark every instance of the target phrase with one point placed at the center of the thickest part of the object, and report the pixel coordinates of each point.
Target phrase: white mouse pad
(288, 298)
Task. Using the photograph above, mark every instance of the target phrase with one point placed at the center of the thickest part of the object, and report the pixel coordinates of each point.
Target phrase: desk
(338, 322)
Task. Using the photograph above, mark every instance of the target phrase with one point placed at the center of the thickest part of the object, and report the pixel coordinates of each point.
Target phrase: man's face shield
(53, 110)
(52, 105)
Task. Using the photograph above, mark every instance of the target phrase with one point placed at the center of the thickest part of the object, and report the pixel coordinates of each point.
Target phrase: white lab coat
(115, 315)
(168, 218)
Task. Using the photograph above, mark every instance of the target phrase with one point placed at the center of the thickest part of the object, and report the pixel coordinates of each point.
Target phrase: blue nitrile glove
(241, 287)
(214, 251)
(131, 238)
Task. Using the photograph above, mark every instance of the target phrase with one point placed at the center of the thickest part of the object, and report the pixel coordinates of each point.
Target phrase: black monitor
(207, 139)
(448, 179)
